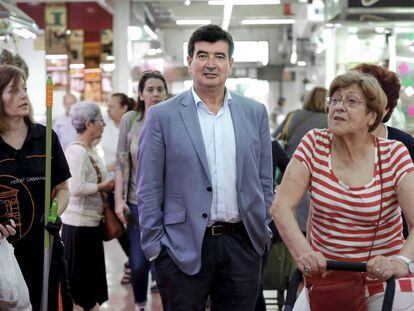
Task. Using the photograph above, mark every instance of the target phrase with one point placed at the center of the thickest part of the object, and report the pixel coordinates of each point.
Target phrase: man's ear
(189, 61)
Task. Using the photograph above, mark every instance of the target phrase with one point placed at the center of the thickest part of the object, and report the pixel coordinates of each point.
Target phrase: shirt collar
(197, 99)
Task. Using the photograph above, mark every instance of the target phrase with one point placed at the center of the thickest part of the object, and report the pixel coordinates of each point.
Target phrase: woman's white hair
(83, 112)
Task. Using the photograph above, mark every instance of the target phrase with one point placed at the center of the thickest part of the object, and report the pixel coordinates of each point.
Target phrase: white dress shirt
(220, 145)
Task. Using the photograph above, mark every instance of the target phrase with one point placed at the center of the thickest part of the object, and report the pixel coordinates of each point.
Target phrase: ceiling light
(150, 32)
(301, 63)
(56, 56)
(329, 25)
(380, 29)
(187, 2)
(24, 33)
(77, 66)
(352, 29)
(277, 21)
(245, 2)
(193, 21)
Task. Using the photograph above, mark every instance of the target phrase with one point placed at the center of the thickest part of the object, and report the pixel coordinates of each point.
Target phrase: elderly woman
(81, 232)
(356, 183)
(22, 182)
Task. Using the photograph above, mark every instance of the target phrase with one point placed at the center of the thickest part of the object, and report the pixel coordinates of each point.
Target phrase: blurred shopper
(81, 232)
(22, 181)
(295, 126)
(152, 89)
(62, 124)
(391, 86)
(358, 183)
(204, 178)
(117, 106)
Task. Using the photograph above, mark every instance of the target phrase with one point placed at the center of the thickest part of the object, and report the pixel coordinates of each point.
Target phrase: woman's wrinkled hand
(120, 208)
(382, 268)
(312, 263)
(7, 230)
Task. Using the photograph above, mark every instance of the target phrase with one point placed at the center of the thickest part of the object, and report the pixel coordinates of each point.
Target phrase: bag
(14, 294)
(347, 288)
(111, 226)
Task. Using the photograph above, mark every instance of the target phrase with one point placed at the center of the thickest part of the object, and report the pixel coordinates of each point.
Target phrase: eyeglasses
(100, 119)
(349, 102)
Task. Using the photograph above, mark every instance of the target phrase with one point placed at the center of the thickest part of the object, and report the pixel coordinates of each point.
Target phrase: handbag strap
(96, 167)
(380, 211)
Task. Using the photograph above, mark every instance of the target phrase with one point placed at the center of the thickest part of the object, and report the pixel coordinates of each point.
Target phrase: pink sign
(410, 110)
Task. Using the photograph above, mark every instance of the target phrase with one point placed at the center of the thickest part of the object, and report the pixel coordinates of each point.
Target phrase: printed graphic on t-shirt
(19, 202)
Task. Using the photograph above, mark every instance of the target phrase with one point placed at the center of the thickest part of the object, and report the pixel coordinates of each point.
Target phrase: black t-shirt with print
(22, 187)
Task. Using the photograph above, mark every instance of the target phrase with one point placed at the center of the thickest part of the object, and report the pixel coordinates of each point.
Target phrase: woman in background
(391, 86)
(22, 182)
(81, 232)
(152, 89)
(295, 126)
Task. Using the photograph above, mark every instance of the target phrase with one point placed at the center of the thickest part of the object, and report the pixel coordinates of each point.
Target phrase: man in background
(62, 124)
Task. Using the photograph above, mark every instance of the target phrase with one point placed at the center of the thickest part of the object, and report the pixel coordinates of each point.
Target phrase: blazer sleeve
(265, 169)
(150, 184)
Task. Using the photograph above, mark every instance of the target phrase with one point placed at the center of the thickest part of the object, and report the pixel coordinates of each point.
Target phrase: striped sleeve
(306, 150)
(401, 162)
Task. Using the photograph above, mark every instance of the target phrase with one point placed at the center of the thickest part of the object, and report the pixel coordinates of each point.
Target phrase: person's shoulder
(75, 148)
(397, 134)
(245, 101)
(172, 103)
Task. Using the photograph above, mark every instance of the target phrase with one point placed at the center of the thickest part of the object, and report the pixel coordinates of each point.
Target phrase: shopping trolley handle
(346, 266)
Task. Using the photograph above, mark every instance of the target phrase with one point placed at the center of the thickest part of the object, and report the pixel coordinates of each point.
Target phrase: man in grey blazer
(204, 185)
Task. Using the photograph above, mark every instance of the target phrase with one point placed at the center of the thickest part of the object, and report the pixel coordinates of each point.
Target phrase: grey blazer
(174, 184)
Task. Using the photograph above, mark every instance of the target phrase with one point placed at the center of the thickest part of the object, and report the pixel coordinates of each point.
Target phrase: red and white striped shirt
(344, 219)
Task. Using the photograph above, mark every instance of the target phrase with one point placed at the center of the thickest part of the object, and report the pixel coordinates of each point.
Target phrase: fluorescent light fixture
(244, 2)
(108, 67)
(56, 56)
(110, 58)
(77, 66)
(329, 25)
(193, 21)
(379, 29)
(134, 33)
(301, 63)
(352, 29)
(150, 32)
(275, 21)
(152, 52)
(187, 2)
(24, 33)
(293, 58)
(227, 10)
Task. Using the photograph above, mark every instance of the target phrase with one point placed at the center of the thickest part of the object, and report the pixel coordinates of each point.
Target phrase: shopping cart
(297, 278)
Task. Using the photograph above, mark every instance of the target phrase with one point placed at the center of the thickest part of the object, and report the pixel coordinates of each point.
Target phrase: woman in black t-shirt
(22, 180)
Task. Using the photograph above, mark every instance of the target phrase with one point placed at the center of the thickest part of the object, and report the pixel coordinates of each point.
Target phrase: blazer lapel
(237, 117)
(190, 118)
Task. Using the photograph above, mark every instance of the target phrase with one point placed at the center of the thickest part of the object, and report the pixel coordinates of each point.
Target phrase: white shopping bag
(302, 302)
(14, 294)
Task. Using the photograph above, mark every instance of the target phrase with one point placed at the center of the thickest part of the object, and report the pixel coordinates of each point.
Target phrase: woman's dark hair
(389, 83)
(210, 33)
(150, 74)
(125, 101)
(9, 73)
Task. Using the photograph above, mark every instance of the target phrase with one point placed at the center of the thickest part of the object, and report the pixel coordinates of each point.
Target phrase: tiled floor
(120, 296)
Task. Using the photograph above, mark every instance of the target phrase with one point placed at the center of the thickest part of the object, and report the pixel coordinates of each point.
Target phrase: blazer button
(209, 189)
(204, 215)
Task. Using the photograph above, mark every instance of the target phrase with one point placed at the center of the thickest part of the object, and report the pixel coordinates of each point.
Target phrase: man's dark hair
(210, 33)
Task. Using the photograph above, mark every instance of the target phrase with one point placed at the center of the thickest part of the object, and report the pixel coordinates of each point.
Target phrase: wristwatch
(409, 262)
